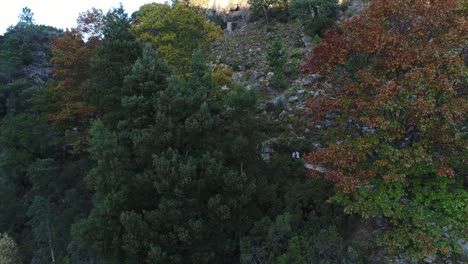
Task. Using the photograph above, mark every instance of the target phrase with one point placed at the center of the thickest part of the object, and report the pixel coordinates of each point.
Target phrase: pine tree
(26, 16)
(148, 76)
(316, 15)
(201, 197)
(123, 157)
(169, 190)
(112, 62)
(277, 59)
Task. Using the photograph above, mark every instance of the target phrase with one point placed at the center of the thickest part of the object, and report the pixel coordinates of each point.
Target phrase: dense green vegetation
(122, 142)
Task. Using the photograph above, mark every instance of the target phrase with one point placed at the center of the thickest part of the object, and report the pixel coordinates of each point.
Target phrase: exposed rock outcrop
(39, 71)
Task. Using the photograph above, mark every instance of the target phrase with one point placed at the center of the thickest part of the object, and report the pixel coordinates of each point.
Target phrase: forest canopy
(316, 132)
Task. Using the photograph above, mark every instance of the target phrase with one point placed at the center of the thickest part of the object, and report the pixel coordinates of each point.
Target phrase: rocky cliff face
(234, 13)
(24, 65)
(221, 6)
(39, 71)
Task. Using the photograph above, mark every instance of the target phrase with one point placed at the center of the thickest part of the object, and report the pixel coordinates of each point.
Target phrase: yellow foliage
(222, 76)
(174, 31)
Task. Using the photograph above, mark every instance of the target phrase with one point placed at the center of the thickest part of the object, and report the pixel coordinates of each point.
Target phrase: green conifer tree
(26, 16)
(123, 157)
(167, 189)
(277, 59)
(112, 62)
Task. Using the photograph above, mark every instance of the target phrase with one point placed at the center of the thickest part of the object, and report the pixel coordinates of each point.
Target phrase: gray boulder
(311, 79)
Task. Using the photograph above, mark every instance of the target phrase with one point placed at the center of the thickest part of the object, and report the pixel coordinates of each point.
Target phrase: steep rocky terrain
(244, 51)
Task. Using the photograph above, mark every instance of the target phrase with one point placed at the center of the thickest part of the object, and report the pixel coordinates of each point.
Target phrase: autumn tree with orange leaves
(72, 55)
(393, 94)
(63, 101)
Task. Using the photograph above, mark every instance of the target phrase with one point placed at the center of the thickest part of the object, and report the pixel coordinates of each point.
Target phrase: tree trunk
(265, 12)
(49, 234)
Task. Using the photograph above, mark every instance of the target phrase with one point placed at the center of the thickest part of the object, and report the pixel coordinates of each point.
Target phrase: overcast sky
(59, 13)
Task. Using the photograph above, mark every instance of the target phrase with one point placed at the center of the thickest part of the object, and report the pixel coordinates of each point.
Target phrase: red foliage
(396, 69)
(72, 55)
